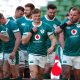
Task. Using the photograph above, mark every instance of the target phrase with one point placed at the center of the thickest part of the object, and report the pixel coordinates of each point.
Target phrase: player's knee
(33, 73)
(47, 68)
(6, 74)
(15, 75)
(77, 74)
(65, 72)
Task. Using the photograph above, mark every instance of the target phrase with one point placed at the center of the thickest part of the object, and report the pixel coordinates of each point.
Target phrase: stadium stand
(62, 7)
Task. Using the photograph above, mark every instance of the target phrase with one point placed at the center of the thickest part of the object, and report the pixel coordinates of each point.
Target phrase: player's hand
(50, 50)
(12, 55)
(34, 29)
(69, 22)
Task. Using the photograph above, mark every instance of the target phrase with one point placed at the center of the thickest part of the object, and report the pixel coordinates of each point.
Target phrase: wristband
(63, 26)
(31, 31)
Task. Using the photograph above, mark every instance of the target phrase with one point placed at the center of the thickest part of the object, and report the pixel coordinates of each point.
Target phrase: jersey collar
(49, 19)
(37, 25)
(28, 18)
(7, 21)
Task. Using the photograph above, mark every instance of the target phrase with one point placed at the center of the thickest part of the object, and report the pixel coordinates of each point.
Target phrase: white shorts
(1, 59)
(50, 58)
(37, 60)
(73, 61)
(23, 56)
(10, 61)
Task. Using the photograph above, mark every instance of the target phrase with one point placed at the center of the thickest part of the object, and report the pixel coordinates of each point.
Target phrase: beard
(74, 21)
(50, 17)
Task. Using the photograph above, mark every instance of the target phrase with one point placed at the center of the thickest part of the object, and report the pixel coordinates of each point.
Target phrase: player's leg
(1, 72)
(33, 66)
(49, 64)
(14, 67)
(66, 67)
(41, 66)
(40, 73)
(6, 67)
(26, 70)
(21, 63)
(76, 65)
(1, 66)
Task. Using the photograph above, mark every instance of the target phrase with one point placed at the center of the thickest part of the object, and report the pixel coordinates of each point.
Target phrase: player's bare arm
(4, 38)
(53, 43)
(17, 43)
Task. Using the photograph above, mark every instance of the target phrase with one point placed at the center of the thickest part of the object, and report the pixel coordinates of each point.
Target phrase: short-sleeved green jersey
(37, 44)
(53, 23)
(0, 46)
(72, 40)
(22, 23)
(2, 30)
(12, 28)
(12, 18)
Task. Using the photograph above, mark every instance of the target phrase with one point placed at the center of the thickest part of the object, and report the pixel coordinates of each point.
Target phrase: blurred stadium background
(8, 6)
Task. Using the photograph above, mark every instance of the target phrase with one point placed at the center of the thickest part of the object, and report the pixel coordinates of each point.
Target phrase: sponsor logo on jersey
(73, 32)
(64, 61)
(78, 25)
(68, 27)
(42, 31)
(37, 37)
(23, 24)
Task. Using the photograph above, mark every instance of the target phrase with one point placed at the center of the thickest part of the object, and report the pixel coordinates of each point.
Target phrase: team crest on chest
(73, 32)
(37, 37)
(78, 25)
(42, 31)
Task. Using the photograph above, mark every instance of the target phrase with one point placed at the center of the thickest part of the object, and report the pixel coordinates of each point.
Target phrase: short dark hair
(30, 5)
(35, 11)
(1, 15)
(75, 9)
(20, 8)
(51, 6)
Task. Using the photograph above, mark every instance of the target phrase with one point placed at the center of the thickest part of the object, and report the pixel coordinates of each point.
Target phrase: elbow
(23, 42)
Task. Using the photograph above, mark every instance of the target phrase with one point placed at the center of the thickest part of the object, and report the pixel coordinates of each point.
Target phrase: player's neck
(37, 23)
(29, 17)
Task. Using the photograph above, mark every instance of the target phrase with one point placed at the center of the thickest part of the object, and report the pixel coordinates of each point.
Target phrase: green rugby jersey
(53, 24)
(2, 30)
(22, 23)
(72, 39)
(37, 44)
(12, 18)
(12, 28)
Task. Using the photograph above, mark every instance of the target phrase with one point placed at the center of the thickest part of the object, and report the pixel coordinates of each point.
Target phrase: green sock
(46, 76)
(64, 79)
(19, 78)
(72, 77)
(34, 79)
(6, 78)
(61, 77)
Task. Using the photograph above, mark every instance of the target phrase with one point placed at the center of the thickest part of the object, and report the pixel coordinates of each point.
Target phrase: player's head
(19, 12)
(28, 9)
(74, 14)
(2, 19)
(36, 13)
(51, 11)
